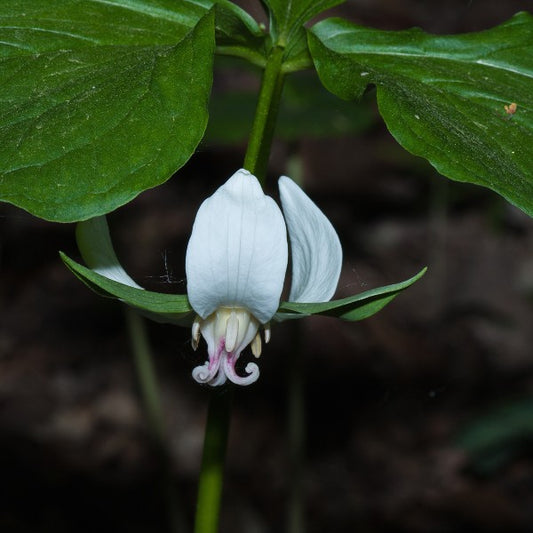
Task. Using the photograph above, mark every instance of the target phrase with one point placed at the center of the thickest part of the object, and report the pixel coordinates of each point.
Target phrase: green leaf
(443, 97)
(35, 26)
(287, 19)
(99, 100)
(172, 308)
(352, 308)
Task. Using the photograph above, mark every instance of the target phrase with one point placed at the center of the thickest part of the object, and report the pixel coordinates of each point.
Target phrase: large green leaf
(99, 100)
(444, 97)
(36, 26)
(352, 308)
(172, 308)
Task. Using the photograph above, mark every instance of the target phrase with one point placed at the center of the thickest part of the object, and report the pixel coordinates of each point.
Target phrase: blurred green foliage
(307, 111)
(499, 436)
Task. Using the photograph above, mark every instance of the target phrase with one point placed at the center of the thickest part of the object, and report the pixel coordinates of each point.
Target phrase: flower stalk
(264, 124)
(213, 459)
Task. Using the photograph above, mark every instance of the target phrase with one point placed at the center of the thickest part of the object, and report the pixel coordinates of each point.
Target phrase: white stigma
(227, 332)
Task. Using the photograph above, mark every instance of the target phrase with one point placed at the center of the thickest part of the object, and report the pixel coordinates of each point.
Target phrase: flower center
(227, 332)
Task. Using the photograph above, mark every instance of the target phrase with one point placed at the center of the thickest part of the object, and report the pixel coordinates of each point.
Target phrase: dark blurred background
(419, 419)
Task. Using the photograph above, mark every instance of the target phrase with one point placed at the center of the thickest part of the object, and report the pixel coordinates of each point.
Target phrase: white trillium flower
(236, 263)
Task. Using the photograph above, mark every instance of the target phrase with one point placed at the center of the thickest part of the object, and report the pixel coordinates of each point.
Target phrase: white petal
(96, 248)
(237, 253)
(315, 247)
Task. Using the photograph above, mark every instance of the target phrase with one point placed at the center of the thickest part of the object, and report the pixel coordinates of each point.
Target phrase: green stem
(146, 376)
(212, 472)
(258, 151)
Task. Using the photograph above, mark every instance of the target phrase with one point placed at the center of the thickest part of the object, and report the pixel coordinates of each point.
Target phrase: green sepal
(351, 308)
(175, 308)
(169, 308)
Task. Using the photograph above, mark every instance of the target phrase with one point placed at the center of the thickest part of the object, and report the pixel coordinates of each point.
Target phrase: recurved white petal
(96, 248)
(237, 253)
(316, 251)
